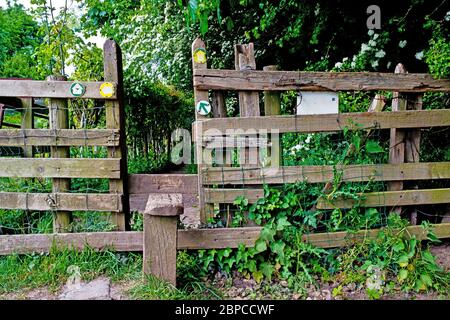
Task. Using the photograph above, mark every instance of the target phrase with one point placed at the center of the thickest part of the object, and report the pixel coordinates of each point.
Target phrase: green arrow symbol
(202, 106)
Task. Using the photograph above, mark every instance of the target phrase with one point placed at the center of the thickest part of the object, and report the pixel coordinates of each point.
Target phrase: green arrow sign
(203, 107)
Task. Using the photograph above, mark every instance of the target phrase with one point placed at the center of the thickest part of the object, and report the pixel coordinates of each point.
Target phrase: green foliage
(438, 54)
(18, 39)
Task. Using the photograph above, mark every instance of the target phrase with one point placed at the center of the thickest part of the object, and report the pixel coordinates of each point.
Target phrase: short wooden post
(27, 123)
(160, 235)
(397, 138)
(115, 119)
(59, 119)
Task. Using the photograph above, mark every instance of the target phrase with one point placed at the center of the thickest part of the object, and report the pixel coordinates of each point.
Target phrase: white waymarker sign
(203, 107)
(313, 102)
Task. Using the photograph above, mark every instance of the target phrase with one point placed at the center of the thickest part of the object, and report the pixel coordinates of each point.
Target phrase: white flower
(380, 54)
(447, 16)
(364, 48)
(402, 43)
(308, 138)
(338, 65)
(345, 59)
(388, 65)
(370, 32)
(374, 64)
(419, 55)
(372, 43)
(353, 64)
(375, 36)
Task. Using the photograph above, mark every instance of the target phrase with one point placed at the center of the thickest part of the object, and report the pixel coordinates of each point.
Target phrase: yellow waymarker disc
(107, 90)
(200, 55)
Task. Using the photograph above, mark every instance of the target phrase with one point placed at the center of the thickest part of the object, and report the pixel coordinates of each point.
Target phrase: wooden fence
(216, 187)
(59, 138)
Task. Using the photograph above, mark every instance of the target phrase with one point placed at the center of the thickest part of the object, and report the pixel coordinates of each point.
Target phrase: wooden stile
(160, 235)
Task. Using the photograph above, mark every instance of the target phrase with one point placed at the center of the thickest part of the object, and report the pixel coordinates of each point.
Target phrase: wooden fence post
(244, 59)
(160, 235)
(397, 138)
(59, 119)
(115, 119)
(27, 122)
(272, 107)
(206, 210)
(412, 145)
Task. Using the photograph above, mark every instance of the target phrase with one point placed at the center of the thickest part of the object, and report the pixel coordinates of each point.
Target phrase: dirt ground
(249, 289)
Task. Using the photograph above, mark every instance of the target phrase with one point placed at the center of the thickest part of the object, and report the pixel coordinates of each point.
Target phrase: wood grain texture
(229, 195)
(187, 239)
(141, 185)
(330, 122)
(390, 198)
(254, 80)
(160, 247)
(115, 119)
(59, 137)
(60, 201)
(27, 123)
(319, 174)
(120, 241)
(201, 158)
(163, 183)
(49, 89)
(397, 135)
(59, 168)
(164, 204)
(59, 119)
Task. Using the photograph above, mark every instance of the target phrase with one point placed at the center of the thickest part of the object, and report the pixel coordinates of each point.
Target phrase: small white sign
(317, 102)
(203, 107)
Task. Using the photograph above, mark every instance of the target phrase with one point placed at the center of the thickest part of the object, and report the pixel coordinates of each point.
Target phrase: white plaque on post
(317, 102)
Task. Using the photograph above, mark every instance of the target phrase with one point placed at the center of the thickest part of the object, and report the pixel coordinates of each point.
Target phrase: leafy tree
(18, 38)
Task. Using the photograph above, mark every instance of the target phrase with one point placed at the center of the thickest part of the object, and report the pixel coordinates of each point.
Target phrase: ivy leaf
(403, 261)
(426, 280)
(278, 248)
(402, 275)
(356, 141)
(260, 245)
(399, 246)
(267, 234)
(267, 269)
(251, 265)
(258, 276)
(282, 223)
(432, 237)
(419, 286)
(373, 147)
